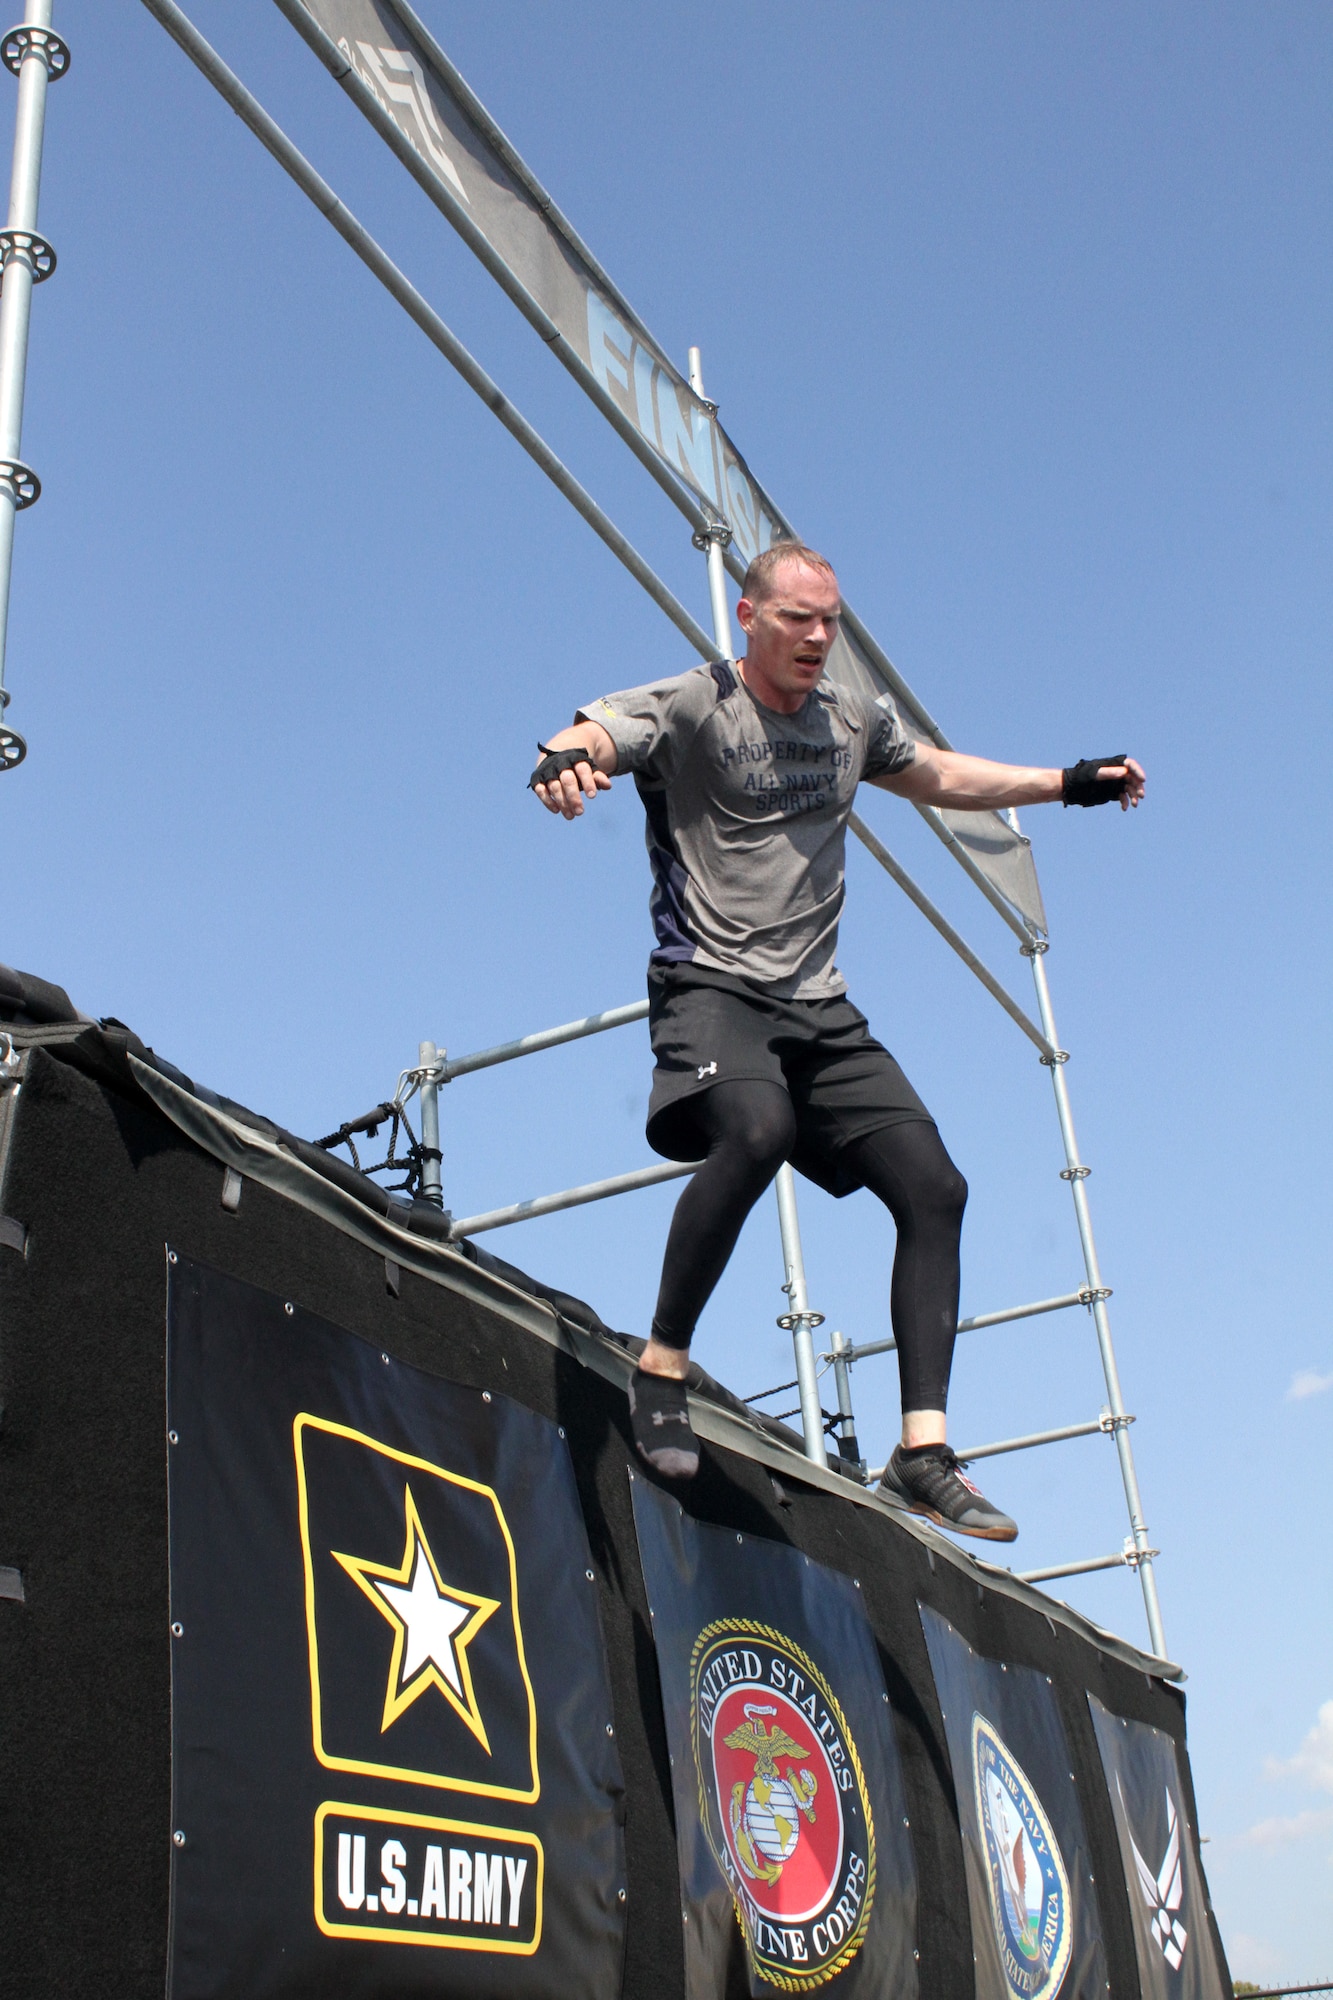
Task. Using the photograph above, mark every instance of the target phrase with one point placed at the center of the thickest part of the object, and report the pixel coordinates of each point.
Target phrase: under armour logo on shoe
(707, 1069)
(661, 1417)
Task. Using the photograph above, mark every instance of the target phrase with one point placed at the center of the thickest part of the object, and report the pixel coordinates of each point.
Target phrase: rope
(410, 1163)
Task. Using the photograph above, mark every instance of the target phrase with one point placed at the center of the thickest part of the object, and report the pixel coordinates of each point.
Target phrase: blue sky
(1023, 314)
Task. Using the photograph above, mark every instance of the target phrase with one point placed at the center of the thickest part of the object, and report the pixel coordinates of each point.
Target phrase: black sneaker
(660, 1422)
(933, 1483)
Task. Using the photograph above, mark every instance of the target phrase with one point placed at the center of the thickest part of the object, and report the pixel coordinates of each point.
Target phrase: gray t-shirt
(747, 818)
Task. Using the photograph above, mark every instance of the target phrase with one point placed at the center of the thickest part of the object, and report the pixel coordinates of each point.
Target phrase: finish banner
(795, 1857)
(393, 1766)
(488, 191)
(1167, 1897)
(1036, 1929)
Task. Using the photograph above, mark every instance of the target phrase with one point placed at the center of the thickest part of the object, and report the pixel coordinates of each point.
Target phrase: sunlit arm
(975, 784)
(970, 784)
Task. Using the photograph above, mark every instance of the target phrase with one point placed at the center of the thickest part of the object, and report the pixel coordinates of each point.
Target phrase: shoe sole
(932, 1514)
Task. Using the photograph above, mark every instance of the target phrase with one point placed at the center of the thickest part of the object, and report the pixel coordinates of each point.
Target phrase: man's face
(791, 630)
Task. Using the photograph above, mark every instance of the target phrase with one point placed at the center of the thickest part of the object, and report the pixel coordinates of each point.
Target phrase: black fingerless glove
(1082, 786)
(555, 761)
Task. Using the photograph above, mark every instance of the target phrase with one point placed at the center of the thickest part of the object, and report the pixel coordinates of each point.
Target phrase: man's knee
(951, 1191)
(756, 1121)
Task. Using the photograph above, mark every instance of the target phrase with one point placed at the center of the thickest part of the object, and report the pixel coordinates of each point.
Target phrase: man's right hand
(565, 792)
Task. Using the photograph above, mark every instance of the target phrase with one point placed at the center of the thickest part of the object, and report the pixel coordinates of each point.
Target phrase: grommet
(560, 1430)
(610, 1730)
(485, 1395)
(173, 1437)
(620, 1895)
(177, 1630)
(591, 1578)
(178, 1838)
(171, 1256)
(290, 1310)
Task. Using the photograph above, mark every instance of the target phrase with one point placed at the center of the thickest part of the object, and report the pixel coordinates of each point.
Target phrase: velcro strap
(555, 761)
(1082, 786)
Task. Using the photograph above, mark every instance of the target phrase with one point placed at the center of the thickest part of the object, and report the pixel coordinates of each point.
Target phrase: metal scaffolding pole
(270, 135)
(429, 1069)
(1076, 1174)
(714, 539)
(35, 55)
(800, 1320)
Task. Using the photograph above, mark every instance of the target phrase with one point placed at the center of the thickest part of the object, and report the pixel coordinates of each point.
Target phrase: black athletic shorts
(710, 1027)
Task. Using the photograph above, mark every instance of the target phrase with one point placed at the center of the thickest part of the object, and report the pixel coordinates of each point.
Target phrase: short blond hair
(759, 576)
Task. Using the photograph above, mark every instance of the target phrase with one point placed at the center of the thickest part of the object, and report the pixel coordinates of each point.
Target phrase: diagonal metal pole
(270, 135)
(36, 55)
(1076, 1174)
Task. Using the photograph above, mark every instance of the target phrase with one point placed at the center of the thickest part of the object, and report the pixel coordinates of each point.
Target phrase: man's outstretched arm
(564, 791)
(975, 784)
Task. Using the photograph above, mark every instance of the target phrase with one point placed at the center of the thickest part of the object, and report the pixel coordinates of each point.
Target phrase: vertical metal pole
(1076, 1174)
(849, 1446)
(37, 55)
(802, 1322)
(714, 540)
(432, 1185)
(800, 1319)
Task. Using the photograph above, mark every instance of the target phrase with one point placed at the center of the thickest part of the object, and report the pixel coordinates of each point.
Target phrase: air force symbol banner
(795, 1860)
(393, 1765)
(1172, 1936)
(1036, 1929)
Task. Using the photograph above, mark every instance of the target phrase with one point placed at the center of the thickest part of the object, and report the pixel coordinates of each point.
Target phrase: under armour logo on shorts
(707, 1069)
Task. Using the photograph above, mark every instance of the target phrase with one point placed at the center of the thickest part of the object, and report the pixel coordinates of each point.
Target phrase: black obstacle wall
(98, 1182)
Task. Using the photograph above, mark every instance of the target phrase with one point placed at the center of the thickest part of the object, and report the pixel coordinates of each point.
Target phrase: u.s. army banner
(790, 1824)
(393, 1766)
(1036, 1928)
(1168, 1901)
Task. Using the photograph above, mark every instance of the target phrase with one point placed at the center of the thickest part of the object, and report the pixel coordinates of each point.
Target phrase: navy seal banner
(1164, 1878)
(393, 1768)
(485, 187)
(794, 1851)
(1036, 1929)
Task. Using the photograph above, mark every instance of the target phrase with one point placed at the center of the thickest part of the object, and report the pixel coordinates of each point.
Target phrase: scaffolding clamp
(1056, 1056)
(1111, 1424)
(32, 248)
(1074, 1173)
(1035, 947)
(24, 41)
(799, 1322)
(714, 530)
(20, 482)
(1090, 1294)
(1133, 1555)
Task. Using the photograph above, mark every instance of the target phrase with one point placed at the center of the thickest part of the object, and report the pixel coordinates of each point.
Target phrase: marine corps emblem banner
(393, 1770)
(795, 1858)
(1172, 1936)
(1036, 1929)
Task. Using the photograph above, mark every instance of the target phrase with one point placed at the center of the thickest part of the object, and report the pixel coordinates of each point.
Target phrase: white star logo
(433, 1625)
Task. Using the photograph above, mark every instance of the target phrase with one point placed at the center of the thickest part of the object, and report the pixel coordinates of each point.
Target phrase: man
(747, 773)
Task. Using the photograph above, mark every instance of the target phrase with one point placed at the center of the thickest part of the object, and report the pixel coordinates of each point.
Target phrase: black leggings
(751, 1129)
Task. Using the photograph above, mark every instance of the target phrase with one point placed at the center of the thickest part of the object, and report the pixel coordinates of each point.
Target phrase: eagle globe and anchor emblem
(783, 1802)
(765, 1815)
(1026, 1878)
